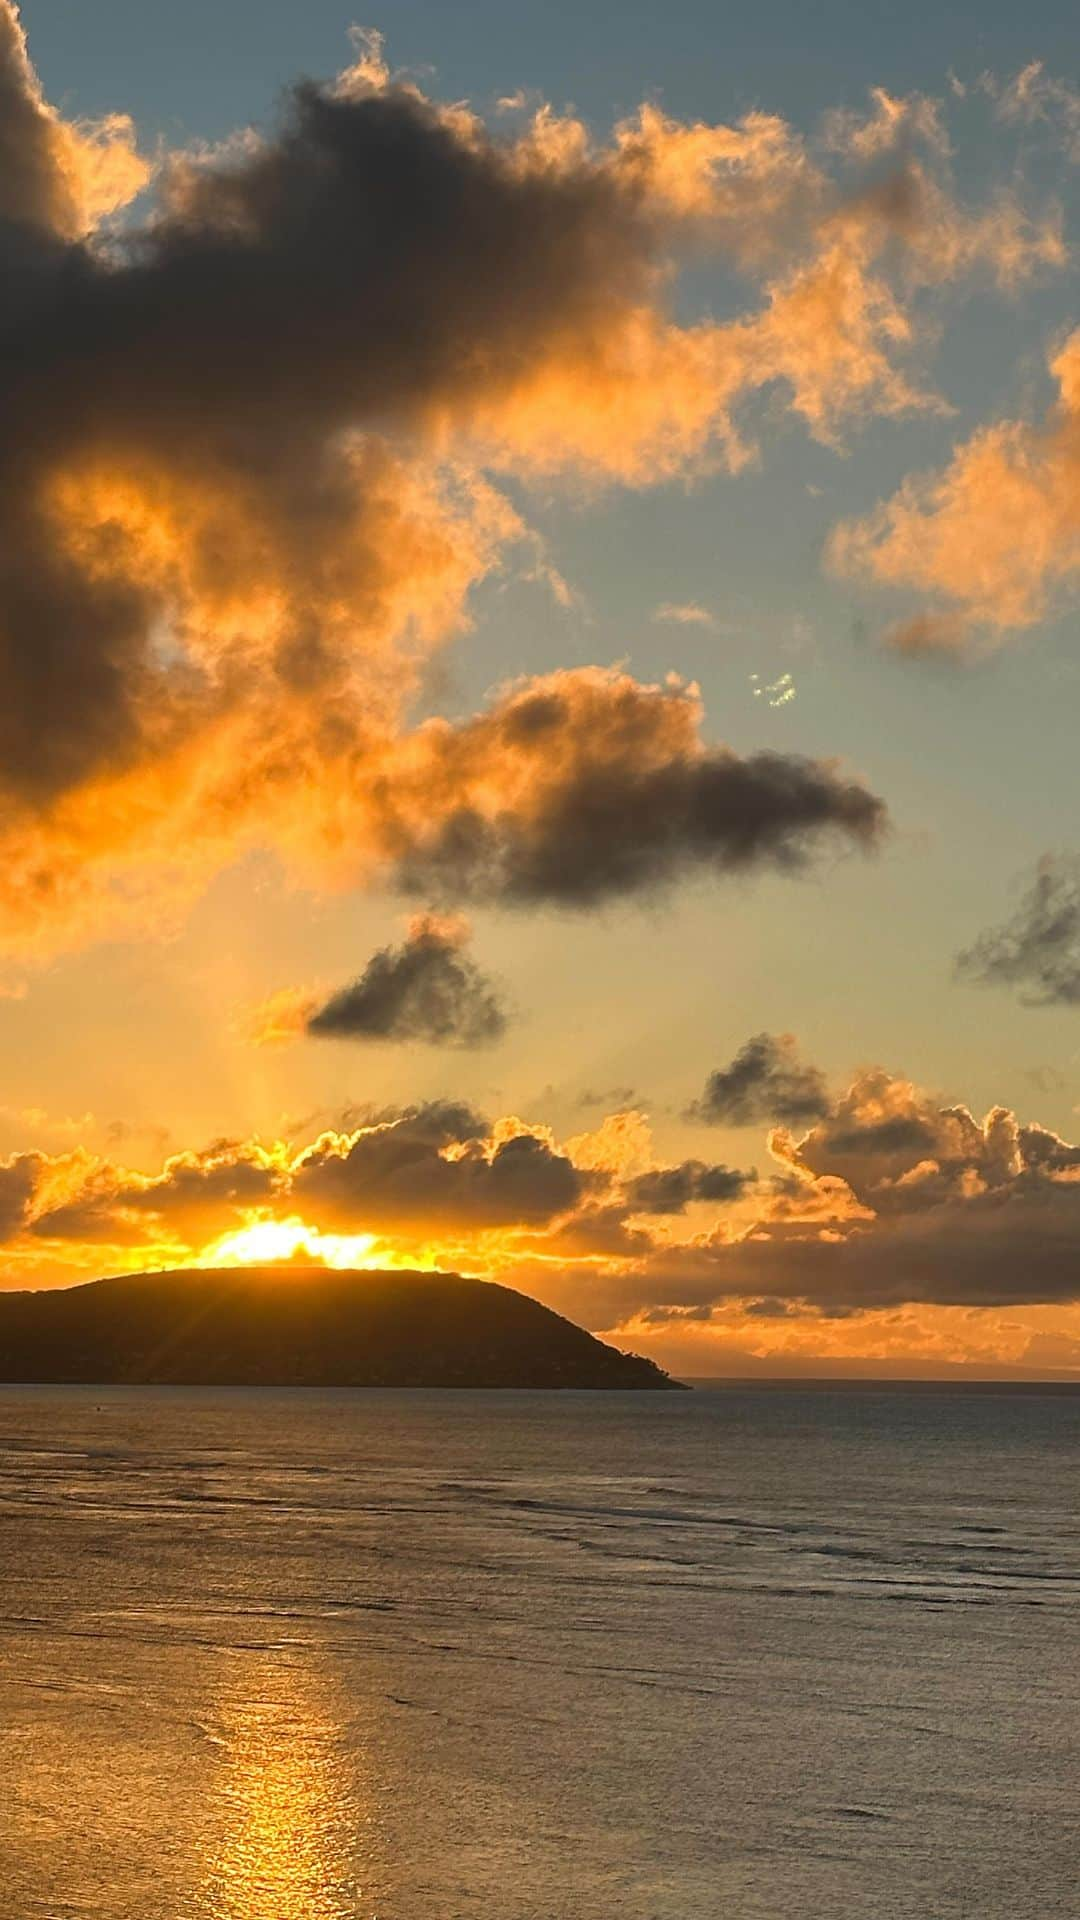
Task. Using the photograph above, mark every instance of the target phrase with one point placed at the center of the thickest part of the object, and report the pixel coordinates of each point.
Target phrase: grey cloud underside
(891, 1200)
(906, 1135)
(1038, 950)
(439, 1121)
(669, 1190)
(425, 990)
(611, 831)
(956, 1213)
(766, 1081)
(17, 1182)
(970, 1254)
(923, 1206)
(394, 1177)
(1020, 1252)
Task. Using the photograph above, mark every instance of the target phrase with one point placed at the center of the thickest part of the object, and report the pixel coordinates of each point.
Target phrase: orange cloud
(891, 1197)
(66, 177)
(1034, 97)
(281, 1018)
(254, 445)
(276, 668)
(995, 537)
(897, 1229)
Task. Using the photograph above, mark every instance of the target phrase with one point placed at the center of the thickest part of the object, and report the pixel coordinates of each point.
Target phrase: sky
(538, 682)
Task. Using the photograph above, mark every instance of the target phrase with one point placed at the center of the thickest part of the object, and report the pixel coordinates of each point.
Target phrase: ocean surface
(747, 1653)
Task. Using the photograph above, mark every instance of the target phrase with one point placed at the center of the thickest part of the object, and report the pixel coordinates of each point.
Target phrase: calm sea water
(538, 1657)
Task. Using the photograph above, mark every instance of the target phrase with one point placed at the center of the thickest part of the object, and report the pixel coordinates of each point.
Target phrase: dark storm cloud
(907, 1134)
(427, 989)
(765, 1082)
(671, 1189)
(365, 265)
(616, 833)
(1038, 950)
(897, 1198)
(397, 1177)
(605, 790)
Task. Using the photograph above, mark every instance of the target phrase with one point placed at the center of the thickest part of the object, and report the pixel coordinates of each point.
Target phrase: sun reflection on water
(295, 1830)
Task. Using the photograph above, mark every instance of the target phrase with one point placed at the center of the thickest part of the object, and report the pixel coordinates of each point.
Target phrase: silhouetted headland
(304, 1326)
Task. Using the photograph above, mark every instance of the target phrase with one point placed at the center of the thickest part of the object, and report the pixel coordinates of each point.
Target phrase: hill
(295, 1325)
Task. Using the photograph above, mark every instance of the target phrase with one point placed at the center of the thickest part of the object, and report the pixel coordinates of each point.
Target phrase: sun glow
(262, 1242)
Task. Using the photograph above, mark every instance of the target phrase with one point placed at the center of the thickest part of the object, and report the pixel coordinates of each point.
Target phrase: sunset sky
(538, 674)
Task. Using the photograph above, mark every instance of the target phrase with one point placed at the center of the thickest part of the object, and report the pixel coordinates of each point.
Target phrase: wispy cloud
(994, 537)
(1038, 949)
(684, 613)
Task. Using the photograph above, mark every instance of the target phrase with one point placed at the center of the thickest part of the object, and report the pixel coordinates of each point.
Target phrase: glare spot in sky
(775, 693)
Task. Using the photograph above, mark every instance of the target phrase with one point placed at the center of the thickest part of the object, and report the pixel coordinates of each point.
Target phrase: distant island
(294, 1325)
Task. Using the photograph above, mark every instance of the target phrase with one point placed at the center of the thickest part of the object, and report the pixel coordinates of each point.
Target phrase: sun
(262, 1242)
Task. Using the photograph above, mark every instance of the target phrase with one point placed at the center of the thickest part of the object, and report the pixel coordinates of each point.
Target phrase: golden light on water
(294, 1827)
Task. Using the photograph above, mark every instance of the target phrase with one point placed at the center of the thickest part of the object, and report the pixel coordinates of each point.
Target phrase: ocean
(731, 1655)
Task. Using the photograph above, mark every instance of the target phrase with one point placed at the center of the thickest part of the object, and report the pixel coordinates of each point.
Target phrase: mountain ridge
(294, 1324)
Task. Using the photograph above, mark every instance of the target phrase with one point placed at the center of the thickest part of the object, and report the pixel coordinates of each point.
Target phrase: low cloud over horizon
(417, 507)
(889, 1204)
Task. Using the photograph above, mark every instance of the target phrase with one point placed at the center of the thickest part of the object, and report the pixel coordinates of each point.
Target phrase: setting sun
(539, 960)
(262, 1242)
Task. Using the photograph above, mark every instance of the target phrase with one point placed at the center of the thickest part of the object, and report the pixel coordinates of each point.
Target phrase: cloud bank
(892, 1210)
